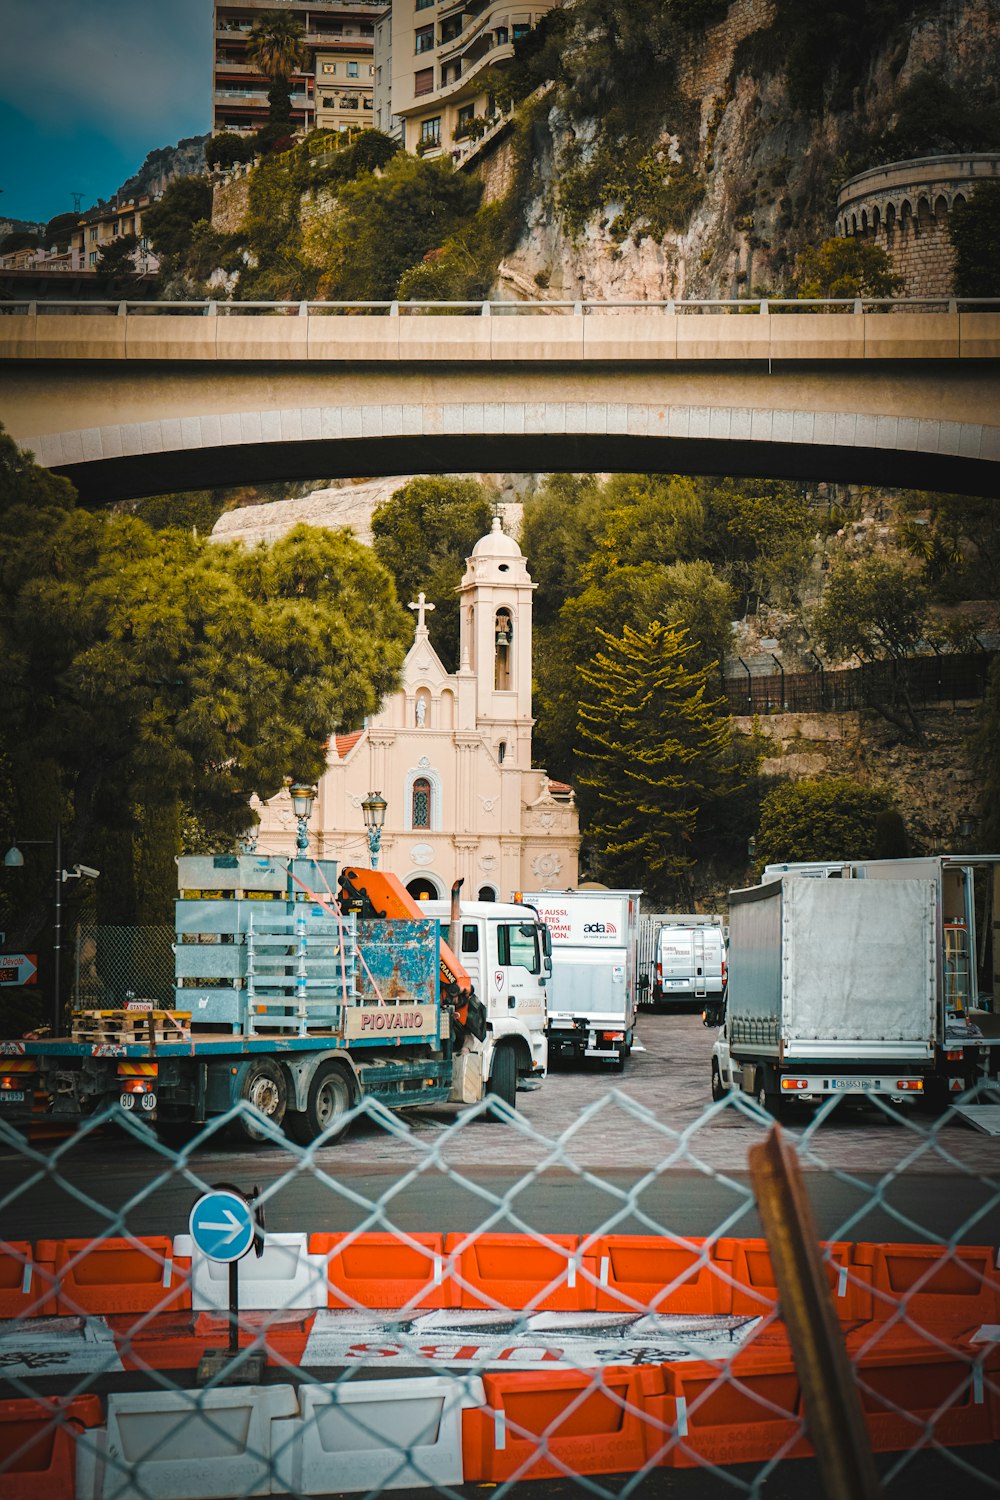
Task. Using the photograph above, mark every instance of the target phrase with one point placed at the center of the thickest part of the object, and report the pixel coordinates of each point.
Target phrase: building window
(424, 39)
(423, 82)
(430, 132)
(421, 803)
(92, 258)
(502, 751)
(520, 30)
(424, 4)
(465, 114)
(352, 70)
(487, 893)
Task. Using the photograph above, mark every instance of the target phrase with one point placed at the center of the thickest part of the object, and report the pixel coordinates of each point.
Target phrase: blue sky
(88, 87)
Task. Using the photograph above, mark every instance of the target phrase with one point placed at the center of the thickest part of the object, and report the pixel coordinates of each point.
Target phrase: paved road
(633, 1152)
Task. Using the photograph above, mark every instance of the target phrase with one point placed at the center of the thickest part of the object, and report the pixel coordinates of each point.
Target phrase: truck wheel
(330, 1098)
(718, 1088)
(261, 1083)
(503, 1076)
(771, 1102)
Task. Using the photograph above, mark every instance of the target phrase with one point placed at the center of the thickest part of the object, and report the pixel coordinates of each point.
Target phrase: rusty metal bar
(832, 1405)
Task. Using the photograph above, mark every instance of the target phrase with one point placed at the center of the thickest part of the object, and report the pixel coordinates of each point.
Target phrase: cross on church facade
(422, 608)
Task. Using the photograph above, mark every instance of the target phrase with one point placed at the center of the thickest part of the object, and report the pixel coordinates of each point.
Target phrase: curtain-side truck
(294, 992)
(593, 998)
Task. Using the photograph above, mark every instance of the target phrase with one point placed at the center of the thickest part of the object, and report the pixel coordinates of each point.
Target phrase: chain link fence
(447, 1301)
(952, 678)
(114, 965)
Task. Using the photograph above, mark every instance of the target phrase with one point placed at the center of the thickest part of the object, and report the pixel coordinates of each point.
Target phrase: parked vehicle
(832, 990)
(299, 994)
(507, 954)
(593, 996)
(689, 960)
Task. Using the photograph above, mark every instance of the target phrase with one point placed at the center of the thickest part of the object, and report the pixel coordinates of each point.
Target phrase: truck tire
(767, 1098)
(718, 1087)
(331, 1096)
(261, 1082)
(503, 1076)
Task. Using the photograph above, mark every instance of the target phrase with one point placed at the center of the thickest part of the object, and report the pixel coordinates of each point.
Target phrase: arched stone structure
(905, 206)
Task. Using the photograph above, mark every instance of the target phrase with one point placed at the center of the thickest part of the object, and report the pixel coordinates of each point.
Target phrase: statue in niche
(421, 712)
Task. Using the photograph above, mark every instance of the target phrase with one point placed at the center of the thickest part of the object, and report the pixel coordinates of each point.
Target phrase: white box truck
(832, 990)
(593, 994)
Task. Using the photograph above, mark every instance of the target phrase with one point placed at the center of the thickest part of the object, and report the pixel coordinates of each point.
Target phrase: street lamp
(303, 796)
(14, 860)
(374, 807)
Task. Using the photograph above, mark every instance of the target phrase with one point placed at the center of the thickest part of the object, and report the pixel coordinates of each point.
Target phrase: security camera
(91, 874)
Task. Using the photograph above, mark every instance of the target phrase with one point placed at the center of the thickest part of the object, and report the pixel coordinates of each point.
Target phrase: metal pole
(57, 937)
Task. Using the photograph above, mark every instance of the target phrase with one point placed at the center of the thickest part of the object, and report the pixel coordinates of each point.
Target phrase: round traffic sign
(222, 1225)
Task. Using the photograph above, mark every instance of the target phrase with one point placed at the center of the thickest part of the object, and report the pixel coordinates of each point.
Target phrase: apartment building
(331, 91)
(441, 50)
(102, 226)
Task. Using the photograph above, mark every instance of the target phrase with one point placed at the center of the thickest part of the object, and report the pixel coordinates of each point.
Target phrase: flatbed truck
(295, 992)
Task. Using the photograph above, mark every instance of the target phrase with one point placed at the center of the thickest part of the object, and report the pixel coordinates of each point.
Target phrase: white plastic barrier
(183, 1445)
(373, 1435)
(285, 1276)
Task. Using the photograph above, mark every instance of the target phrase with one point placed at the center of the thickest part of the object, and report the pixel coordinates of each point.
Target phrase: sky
(88, 88)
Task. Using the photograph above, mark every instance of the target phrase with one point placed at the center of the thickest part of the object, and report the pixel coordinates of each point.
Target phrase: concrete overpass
(146, 398)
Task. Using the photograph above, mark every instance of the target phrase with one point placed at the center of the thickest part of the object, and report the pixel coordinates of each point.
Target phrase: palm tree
(277, 47)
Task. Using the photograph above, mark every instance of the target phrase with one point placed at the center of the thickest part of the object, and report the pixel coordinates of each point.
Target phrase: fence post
(832, 1405)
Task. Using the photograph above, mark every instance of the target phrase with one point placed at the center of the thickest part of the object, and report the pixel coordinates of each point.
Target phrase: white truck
(508, 957)
(689, 961)
(832, 990)
(593, 993)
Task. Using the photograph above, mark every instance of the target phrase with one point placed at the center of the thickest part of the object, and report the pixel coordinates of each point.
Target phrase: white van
(689, 966)
(507, 953)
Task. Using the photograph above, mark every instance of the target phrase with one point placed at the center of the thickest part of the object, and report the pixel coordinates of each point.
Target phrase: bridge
(129, 399)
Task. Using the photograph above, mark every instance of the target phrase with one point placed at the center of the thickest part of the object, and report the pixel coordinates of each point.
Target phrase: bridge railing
(118, 307)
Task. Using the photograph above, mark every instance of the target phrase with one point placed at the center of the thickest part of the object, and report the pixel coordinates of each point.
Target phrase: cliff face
(769, 163)
(186, 159)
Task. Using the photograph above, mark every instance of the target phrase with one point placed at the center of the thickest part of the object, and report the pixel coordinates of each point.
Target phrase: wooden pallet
(135, 1026)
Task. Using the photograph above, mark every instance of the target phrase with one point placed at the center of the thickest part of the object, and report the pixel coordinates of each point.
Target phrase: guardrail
(924, 306)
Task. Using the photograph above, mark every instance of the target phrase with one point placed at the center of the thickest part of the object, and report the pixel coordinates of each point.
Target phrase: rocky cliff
(769, 131)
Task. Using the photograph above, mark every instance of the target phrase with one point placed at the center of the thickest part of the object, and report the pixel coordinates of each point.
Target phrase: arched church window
(502, 751)
(421, 803)
(504, 636)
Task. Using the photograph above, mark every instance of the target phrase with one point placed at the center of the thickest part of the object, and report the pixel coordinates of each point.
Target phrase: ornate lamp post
(303, 796)
(374, 807)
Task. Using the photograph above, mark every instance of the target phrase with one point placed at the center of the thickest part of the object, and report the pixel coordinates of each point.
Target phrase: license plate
(12, 1096)
(855, 1085)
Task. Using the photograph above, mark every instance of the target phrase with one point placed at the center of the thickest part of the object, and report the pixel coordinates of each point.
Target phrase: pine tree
(656, 749)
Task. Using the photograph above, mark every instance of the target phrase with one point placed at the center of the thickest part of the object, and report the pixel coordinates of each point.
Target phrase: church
(451, 755)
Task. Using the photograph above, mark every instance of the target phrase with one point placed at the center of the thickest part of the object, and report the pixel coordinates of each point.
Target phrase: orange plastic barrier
(177, 1341)
(634, 1272)
(385, 1270)
(25, 1283)
(743, 1415)
(115, 1276)
(953, 1394)
(37, 1454)
(755, 1292)
(931, 1284)
(539, 1426)
(515, 1271)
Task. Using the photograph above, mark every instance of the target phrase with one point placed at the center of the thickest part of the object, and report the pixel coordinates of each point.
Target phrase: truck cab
(507, 953)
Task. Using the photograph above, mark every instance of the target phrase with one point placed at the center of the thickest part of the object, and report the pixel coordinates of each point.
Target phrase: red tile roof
(346, 742)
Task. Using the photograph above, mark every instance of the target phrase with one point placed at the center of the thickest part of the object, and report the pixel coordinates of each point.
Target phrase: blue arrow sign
(222, 1226)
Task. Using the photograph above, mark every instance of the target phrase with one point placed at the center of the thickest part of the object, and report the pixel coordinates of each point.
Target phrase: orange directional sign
(18, 968)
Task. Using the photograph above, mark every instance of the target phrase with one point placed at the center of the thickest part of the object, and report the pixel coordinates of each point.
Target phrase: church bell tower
(495, 598)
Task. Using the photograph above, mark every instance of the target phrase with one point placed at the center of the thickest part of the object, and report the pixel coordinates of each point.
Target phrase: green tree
(875, 608)
(115, 264)
(559, 531)
(148, 667)
(957, 540)
(656, 748)
(812, 819)
(227, 149)
(760, 533)
(423, 534)
(382, 225)
(987, 752)
(974, 228)
(277, 47)
(168, 222)
(842, 267)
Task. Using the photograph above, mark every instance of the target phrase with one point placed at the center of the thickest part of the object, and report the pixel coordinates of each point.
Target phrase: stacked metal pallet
(259, 947)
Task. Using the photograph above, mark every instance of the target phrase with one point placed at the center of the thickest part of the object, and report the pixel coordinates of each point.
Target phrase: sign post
(225, 1225)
